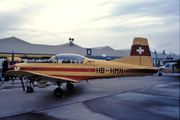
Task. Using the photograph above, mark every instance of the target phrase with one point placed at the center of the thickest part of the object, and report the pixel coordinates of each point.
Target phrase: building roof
(7, 45)
(104, 48)
(13, 40)
(69, 45)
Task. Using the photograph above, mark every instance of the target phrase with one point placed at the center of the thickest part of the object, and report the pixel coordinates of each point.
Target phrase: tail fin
(140, 53)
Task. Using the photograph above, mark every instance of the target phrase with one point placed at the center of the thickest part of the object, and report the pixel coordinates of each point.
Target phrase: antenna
(71, 41)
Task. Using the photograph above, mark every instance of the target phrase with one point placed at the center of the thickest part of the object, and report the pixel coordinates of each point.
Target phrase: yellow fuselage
(89, 69)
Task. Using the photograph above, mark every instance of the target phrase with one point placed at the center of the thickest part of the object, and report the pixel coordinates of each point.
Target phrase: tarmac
(125, 98)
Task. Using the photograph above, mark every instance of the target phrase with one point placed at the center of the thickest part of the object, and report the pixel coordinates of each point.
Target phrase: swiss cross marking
(140, 50)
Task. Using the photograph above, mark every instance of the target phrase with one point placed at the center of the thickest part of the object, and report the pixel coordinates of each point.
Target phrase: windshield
(68, 58)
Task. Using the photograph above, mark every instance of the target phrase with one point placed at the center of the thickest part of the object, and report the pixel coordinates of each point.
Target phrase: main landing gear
(58, 92)
(69, 86)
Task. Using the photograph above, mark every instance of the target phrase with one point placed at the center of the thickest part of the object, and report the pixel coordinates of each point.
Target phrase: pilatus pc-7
(72, 68)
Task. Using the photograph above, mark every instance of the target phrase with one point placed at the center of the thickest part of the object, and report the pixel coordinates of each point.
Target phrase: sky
(93, 23)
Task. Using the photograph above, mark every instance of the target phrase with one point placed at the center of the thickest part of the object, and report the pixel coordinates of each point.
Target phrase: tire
(160, 74)
(70, 86)
(29, 89)
(58, 92)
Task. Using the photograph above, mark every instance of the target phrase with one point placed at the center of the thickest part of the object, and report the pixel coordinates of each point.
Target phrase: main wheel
(70, 86)
(58, 92)
(29, 89)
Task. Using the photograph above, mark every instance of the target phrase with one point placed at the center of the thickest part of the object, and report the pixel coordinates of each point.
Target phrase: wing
(40, 76)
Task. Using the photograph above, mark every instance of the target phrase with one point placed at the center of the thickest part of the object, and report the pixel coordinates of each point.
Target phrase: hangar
(27, 50)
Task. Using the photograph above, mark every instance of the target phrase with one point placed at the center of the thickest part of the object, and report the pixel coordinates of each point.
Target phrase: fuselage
(85, 68)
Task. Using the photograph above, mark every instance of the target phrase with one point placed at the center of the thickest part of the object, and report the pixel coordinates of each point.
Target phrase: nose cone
(12, 66)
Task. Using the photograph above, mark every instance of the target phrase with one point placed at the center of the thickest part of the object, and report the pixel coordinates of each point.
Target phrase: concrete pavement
(151, 97)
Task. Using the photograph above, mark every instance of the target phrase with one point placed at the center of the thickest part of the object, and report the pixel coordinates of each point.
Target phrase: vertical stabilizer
(140, 53)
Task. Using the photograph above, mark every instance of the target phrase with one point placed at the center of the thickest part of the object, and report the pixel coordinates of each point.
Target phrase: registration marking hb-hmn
(111, 70)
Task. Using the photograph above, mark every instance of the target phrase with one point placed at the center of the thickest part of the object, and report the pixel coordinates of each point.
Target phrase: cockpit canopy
(67, 58)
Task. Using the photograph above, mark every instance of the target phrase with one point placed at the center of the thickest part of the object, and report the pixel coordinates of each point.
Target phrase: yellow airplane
(70, 68)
